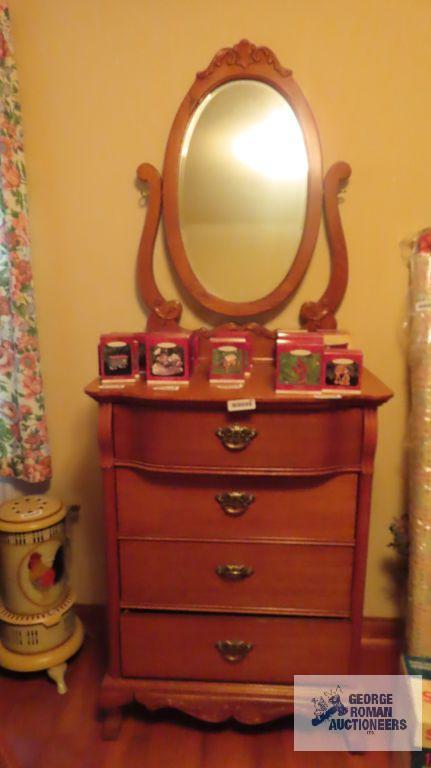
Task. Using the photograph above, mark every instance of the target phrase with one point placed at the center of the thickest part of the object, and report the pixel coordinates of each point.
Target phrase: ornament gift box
(236, 336)
(168, 357)
(119, 357)
(298, 362)
(342, 370)
(230, 358)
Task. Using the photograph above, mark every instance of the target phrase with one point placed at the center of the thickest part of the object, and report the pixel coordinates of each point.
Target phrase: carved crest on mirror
(242, 196)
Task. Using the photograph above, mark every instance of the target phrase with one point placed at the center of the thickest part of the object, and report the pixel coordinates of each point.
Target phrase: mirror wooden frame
(243, 61)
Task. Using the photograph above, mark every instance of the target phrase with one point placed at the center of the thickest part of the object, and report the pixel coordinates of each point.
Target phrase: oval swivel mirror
(242, 192)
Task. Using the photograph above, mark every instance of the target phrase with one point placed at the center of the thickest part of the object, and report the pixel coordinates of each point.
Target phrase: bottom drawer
(232, 648)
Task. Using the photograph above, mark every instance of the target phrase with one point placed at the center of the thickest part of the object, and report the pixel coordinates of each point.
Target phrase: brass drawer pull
(234, 572)
(236, 437)
(235, 503)
(233, 650)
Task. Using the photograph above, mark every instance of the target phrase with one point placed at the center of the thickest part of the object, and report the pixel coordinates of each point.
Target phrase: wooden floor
(46, 730)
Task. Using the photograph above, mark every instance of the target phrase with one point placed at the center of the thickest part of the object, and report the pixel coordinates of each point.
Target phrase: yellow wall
(100, 83)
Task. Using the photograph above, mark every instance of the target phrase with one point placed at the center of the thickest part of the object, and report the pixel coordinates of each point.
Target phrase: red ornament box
(299, 362)
(235, 338)
(118, 357)
(230, 358)
(168, 357)
(342, 370)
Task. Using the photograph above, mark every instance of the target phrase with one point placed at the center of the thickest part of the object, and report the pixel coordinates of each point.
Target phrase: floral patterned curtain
(24, 450)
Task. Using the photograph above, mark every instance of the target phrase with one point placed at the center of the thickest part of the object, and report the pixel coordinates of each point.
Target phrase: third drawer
(178, 575)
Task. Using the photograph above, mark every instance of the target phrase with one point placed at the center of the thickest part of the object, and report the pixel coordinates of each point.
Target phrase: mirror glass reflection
(242, 190)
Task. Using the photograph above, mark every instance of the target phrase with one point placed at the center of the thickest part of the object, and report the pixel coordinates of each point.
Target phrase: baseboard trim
(379, 628)
(382, 643)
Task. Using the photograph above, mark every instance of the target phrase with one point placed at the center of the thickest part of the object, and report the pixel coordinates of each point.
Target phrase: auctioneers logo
(368, 712)
(357, 713)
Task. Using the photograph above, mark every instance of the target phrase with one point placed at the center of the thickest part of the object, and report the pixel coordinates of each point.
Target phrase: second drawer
(184, 506)
(314, 579)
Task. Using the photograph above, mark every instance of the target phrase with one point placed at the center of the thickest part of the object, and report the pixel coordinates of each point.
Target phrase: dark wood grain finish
(184, 647)
(286, 578)
(183, 506)
(178, 439)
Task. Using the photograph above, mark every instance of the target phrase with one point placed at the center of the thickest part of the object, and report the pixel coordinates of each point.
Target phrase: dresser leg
(112, 720)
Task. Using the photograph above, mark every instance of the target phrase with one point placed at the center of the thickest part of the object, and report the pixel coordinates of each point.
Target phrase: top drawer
(188, 438)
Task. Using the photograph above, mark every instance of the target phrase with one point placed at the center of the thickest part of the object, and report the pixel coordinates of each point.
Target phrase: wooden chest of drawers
(236, 544)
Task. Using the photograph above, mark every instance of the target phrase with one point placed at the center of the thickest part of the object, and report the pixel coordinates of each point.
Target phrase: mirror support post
(162, 313)
(317, 315)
